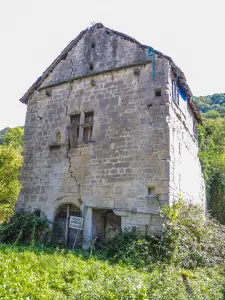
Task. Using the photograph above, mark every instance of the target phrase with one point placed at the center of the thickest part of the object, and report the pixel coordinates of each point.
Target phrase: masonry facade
(110, 135)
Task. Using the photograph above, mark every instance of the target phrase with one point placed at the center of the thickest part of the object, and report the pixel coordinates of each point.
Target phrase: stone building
(110, 135)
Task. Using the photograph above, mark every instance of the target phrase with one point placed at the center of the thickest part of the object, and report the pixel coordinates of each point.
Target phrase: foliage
(212, 106)
(13, 137)
(10, 164)
(24, 227)
(188, 241)
(211, 137)
(31, 273)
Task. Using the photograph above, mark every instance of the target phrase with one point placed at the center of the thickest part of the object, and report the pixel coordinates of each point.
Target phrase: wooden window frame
(88, 126)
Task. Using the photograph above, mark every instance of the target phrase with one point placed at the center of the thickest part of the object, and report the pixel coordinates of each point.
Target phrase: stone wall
(126, 156)
(186, 177)
(104, 49)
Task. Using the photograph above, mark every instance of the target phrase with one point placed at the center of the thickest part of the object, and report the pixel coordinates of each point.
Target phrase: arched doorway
(62, 233)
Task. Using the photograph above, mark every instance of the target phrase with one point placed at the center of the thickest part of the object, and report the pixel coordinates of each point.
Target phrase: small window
(37, 212)
(93, 45)
(151, 191)
(158, 93)
(58, 137)
(91, 66)
(88, 126)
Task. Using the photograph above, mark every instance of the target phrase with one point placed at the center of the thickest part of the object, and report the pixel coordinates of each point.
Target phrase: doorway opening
(105, 226)
(62, 233)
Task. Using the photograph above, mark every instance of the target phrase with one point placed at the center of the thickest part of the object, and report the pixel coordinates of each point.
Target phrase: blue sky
(33, 33)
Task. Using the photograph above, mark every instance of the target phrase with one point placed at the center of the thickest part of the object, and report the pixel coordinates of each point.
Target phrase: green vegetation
(184, 261)
(212, 151)
(34, 273)
(212, 106)
(26, 228)
(10, 163)
(212, 155)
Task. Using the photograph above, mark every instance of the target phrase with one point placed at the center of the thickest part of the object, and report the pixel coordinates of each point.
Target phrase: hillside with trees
(212, 106)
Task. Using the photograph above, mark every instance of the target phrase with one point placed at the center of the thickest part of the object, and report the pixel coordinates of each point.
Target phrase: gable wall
(110, 51)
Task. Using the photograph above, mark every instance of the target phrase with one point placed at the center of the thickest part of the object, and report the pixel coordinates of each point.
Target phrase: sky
(33, 33)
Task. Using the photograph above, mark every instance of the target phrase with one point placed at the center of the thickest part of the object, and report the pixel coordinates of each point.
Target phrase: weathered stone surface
(138, 140)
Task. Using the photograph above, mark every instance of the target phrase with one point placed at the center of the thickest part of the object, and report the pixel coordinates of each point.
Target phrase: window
(37, 212)
(89, 117)
(58, 137)
(91, 66)
(75, 119)
(158, 93)
(88, 126)
(151, 190)
(81, 126)
(74, 130)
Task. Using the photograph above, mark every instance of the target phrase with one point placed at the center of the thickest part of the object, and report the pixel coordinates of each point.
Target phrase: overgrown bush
(188, 240)
(24, 227)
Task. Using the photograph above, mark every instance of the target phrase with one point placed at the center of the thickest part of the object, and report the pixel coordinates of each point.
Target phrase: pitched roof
(180, 75)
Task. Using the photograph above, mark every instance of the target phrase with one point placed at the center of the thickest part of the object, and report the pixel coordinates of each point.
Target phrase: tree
(13, 137)
(10, 164)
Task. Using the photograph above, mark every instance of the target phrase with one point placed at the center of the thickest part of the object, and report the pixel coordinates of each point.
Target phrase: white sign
(76, 222)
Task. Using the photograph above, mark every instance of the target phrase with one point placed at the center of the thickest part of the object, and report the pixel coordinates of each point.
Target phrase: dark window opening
(158, 93)
(87, 134)
(89, 117)
(58, 137)
(151, 190)
(93, 45)
(37, 212)
(91, 66)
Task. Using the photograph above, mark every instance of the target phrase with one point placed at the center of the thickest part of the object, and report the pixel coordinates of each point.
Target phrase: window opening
(93, 45)
(37, 212)
(88, 126)
(74, 130)
(151, 190)
(75, 119)
(89, 117)
(91, 66)
(58, 137)
(158, 93)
